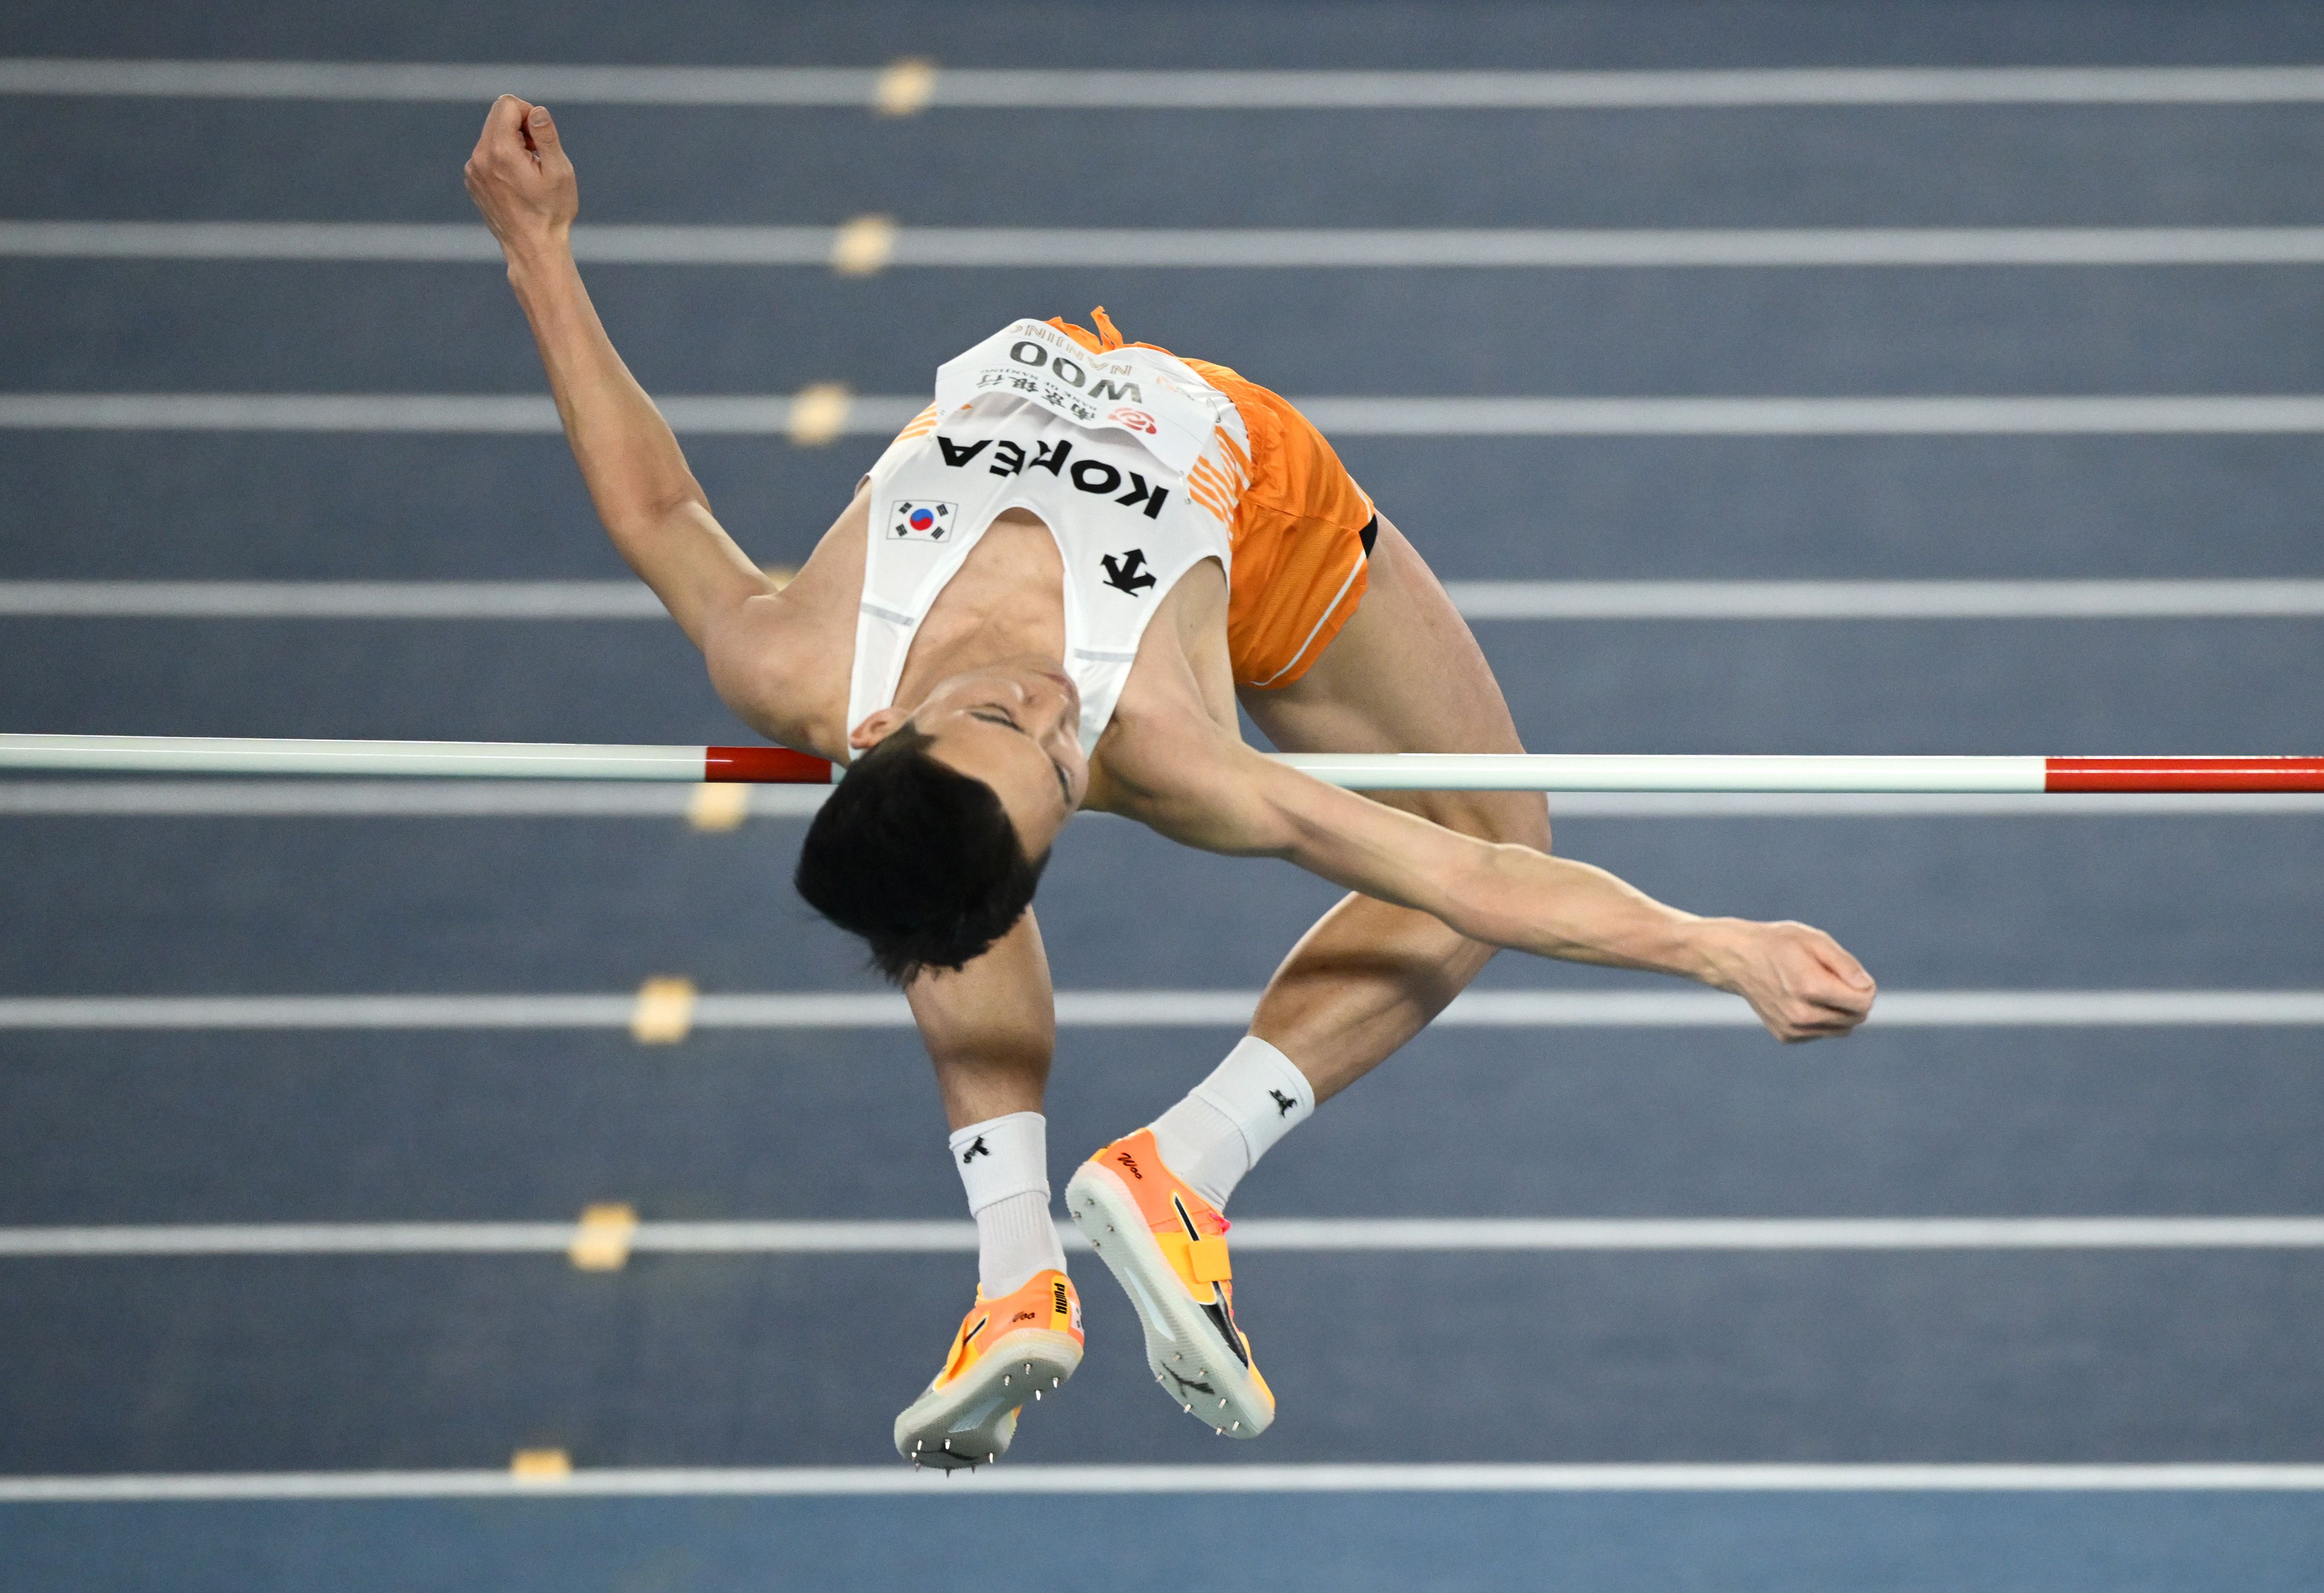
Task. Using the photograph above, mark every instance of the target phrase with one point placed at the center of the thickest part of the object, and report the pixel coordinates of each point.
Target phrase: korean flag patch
(922, 522)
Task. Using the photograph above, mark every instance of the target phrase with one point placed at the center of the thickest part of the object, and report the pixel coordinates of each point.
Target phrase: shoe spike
(1037, 1396)
(1056, 1382)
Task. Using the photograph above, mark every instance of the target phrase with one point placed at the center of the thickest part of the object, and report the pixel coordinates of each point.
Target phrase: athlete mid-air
(1049, 594)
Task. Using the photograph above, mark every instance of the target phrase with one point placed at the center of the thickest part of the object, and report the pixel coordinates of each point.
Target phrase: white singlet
(1128, 456)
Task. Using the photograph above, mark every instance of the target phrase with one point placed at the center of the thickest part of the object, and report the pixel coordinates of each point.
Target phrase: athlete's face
(1014, 724)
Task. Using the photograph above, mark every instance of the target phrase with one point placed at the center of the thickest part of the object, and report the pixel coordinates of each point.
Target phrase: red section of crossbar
(764, 765)
(2251, 774)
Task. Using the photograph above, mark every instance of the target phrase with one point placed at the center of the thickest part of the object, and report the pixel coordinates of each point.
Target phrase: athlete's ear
(876, 727)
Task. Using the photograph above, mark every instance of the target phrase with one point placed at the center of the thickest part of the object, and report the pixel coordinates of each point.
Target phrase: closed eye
(997, 716)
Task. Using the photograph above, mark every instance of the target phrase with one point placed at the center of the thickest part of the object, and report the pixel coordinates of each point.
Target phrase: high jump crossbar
(776, 765)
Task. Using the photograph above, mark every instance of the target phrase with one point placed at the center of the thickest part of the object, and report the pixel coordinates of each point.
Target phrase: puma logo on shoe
(978, 1149)
(1186, 1383)
(1282, 1103)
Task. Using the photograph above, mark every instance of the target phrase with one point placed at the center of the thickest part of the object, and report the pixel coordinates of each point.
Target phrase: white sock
(1232, 1118)
(1004, 1166)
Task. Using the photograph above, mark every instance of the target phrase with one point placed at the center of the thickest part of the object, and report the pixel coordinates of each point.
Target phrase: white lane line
(581, 798)
(1478, 600)
(824, 1481)
(1190, 248)
(445, 599)
(1230, 91)
(1434, 1234)
(1514, 248)
(1880, 599)
(880, 415)
(1163, 1009)
(475, 415)
(1811, 417)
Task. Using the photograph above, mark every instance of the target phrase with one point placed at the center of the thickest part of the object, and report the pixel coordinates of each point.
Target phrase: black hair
(918, 858)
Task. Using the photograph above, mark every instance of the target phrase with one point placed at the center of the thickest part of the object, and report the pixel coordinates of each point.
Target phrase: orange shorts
(1302, 533)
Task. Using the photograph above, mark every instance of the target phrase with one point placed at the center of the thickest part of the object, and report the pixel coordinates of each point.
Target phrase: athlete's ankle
(1003, 1163)
(1218, 1133)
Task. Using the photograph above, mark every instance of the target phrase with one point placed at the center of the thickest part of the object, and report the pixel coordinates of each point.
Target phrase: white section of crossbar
(1212, 89)
(1357, 770)
(1429, 1234)
(1313, 1477)
(1595, 772)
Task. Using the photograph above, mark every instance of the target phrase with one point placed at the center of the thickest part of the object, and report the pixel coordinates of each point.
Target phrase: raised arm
(652, 507)
(1227, 798)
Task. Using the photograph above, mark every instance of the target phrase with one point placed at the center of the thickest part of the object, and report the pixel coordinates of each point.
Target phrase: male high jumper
(1049, 594)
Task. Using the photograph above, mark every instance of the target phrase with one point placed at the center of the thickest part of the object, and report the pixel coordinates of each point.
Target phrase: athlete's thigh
(1405, 674)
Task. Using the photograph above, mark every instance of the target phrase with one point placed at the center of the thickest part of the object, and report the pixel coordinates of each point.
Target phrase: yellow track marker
(864, 245)
(819, 414)
(718, 805)
(905, 88)
(541, 1465)
(664, 1015)
(601, 1242)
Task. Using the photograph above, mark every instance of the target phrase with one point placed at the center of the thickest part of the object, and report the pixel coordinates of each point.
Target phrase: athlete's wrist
(1714, 950)
(538, 255)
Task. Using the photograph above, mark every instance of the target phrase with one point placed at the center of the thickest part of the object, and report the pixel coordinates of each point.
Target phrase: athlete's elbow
(1481, 899)
(643, 519)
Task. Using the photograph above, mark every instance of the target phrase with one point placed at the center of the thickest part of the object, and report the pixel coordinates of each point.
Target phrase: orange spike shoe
(1025, 1343)
(1168, 1248)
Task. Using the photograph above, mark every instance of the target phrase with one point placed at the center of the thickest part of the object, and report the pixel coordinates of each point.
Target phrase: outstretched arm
(652, 507)
(1228, 798)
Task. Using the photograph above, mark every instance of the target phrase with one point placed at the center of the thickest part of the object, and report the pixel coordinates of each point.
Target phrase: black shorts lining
(1370, 534)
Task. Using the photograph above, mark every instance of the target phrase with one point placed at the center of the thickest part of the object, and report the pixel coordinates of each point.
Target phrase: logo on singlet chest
(915, 521)
(1125, 572)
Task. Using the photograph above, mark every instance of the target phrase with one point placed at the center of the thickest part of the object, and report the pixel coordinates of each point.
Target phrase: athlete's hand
(521, 179)
(1802, 984)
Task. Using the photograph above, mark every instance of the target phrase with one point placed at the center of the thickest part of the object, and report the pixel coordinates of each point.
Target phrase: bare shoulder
(780, 662)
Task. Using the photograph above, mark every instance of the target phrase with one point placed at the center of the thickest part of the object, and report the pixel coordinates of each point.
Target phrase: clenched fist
(1802, 984)
(521, 179)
